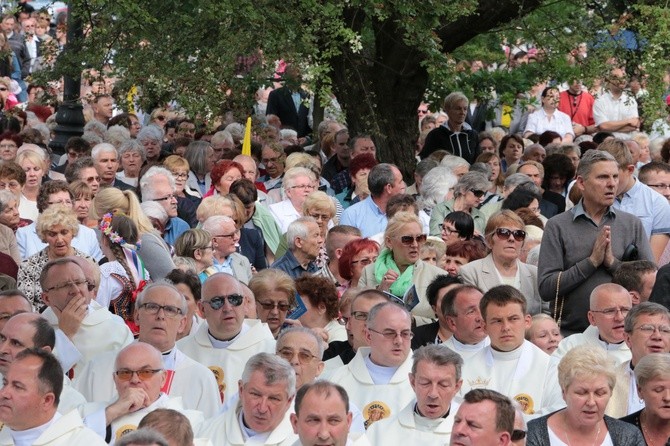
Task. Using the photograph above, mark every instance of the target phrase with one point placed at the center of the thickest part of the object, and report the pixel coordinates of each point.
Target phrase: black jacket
(464, 143)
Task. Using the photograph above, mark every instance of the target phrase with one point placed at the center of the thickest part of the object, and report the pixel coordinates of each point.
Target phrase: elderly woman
(35, 166)
(190, 287)
(275, 296)
(544, 333)
(12, 179)
(356, 255)
(187, 201)
(200, 156)
(586, 376)
(224, 173)
(298, 183)
(322, 303)
(151, 138)
(461, 253)
(197, 245)
(83, 196)
(359, 169)
(321, 207)
(132, 156)
(399, 270)
(225, 238)
(510, 151)
(9, 144)
(469, 193)
(56, 227)
(437, 186)
(9, 219)
(652, 375)
(505, 236)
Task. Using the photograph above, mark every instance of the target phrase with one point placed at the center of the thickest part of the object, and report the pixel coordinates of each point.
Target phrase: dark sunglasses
(504, 233)
(518, 434)
(269, 306)
(478, 193)
(217, 302)
(407, 240)
(160, 117)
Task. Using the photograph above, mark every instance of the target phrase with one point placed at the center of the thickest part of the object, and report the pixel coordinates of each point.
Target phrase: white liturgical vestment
(465, 350)
(591, 336)
(66, 430)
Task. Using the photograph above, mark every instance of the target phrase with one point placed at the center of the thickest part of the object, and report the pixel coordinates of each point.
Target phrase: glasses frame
(217, 302)
(143, 374)
(169, 310)
(408, 240)
(504, 233)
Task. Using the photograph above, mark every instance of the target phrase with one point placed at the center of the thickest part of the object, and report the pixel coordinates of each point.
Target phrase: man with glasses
(304, 242)
(377, 378)
(140, 379)
(225, 241)
(158, 185)
(272, 158)
(511, 365)
(647, 328)
(609, 305)
(75, 148)
(226, 340)
(160, 313)
(84, 329)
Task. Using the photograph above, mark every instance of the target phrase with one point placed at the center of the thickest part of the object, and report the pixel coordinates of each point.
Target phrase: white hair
(101, 148)
(453, 162)
(154, 210)
(296, 229)
(214, 222)
(436, 185)
(146, 183)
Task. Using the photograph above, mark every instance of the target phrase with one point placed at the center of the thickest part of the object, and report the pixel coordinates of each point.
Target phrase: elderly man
(428, 418)
(638, 277)
(29, 401)
(273, 157)
(583, 247)
(647, 328)
(84, 329)
(226, 340)
(377, 378)
(83, 169)
(51, 193)
(511, 365)
(534, 152)
(358, 145)
(223, 145)
(455, 135)
(171, 424)
(266, 389)
(158, 185)
(160, 313)
(369, 215)
(106, 160)
(337, 237)
(485, 418)
(304, 242)
(225, 240)
(609, 304)
(615, 111)
(460, 307)
(139, 379)
(13, 302)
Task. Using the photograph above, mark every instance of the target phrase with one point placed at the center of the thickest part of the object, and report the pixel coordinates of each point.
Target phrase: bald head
(249, 166)
(221, 283)
(22, 331)
(12, 304)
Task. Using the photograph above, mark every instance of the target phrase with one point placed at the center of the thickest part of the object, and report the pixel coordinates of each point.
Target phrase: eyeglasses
(65, 202)
(518, 435)
(504, 233)
(405, 335)
(169, 310)
(70, 284)
(303, 356)
(217, 302)
(92, 179)
(143, 375)
(408, 240)
(364, 261)
(320, 217)
(649, 329)
(302, 186)
(179, 175)
(269, 306)
(446, 229)
(167, 197)
(230, 236)
(611, 312)
(478, 193)
(422, 112)
(204, 248)
(656, 186)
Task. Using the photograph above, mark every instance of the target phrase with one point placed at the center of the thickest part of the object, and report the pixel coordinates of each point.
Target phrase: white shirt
(539, 122)
(606, 108)
(85, 241)
(67, 430)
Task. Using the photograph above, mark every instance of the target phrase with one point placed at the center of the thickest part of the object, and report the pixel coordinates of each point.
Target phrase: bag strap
(558, 302)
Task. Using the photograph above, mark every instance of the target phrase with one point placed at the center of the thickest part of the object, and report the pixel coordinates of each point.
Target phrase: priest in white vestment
(461, 310)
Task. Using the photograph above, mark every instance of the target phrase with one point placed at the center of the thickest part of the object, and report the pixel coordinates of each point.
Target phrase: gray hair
(590, 158)
(142, 437)
(44, 130)
(236, 130)
(298, 229)
(481, 168)
(273, 368)
(374, 312)
(567, 148)
(117, 135)
(438, 355)
(96, 127)
(323, 126)
(101, 148)
(163, 284)
(454, 162)
(516, 180)
(319, 341)
(151, 133)
(644, 308)
(295, 172)
(379, 177)
(221, 137)
(531, 147)
(215, 221)
(652, 366)
(5, 197)
(147, 183)
(453, 99)
(471, 180)
(131, 145)
(196, 155)
(154, 210)
(288, 133)
(436, 185)
(92, 138)
(424, 166)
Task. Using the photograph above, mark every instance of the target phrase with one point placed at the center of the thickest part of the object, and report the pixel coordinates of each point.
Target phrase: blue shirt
(225, 267)
(649, 206)
(174, 228)
(365, 216)
(290, 265)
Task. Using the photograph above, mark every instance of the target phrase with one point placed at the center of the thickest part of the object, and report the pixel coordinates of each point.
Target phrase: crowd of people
(161, 287)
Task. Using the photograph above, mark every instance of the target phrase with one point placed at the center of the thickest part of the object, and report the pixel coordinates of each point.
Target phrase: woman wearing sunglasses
(399, 269)
(469, 193)
(505, 236)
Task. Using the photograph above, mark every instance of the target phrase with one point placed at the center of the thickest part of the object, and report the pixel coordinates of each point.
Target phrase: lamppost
(70, 115)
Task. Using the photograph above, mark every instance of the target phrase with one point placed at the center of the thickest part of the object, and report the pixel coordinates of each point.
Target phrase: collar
(579, 211)
(371, 203)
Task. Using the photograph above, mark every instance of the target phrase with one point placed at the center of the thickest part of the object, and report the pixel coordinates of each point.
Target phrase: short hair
(588, 160)
(81, 189)
(349, 251)
(45, 335)
(132, 145)
(142, 437)
(162, 283)
(49, 188)
(439, 282)
(605, 289)
(648, 170)
(57, 215)
(438, 355)
(401, 203)
(5, 197)
(585, 360)
(319, 291)
(500, 296)
(547, 137)
(629, 274)
(273, 368)
(101, 148)
(435, 186)
(448, 307)
(245, 190)
(222, 167)
(618, 149)
(319, 201)
(538, 166)
(50, 374)
(504, 407)
(190, 240)
(150, 133)
(463, 223)
(331, 236)
(147, 181)
(453, 99)
(398, 221)
(471, 181)
(188, 278)
(516, 179)
(298, 229)
(271, 279)
(505, 140)
(174, 162)
(453, 162)
(321, 387)
(379, 177)
(536, 318)
(370, 294)
(171, 424)
(644, 308)
(12, 171)
(374, 312)
(44, 274)
(72, 170)
(650, 366)
(501, 218)
(320, 344)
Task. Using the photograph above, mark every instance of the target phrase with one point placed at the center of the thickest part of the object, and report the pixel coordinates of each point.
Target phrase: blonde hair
(111, 199)
(295, 172)
(28, 154)
(174, 162)
(271, 279)
(585, 361)
(215, 205)
(398, 221)
(504, 217)
(535, 319)
(319, 201)
(57, 215)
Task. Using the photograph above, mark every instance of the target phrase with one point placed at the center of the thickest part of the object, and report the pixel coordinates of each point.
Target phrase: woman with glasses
(124, 275)
(356, 255)
(505, 236)
(298, 183)
(9, 144)
(187, 200)
(323, 307)
(196, 244)
(275, 296)
(469, 193)
(56, 227)
(399, 269)
(457, 226)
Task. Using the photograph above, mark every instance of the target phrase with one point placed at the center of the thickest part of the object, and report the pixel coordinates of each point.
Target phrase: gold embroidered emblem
(375, 411)
(220, 379)
(479, 382)
(526, 403)
(125, 429)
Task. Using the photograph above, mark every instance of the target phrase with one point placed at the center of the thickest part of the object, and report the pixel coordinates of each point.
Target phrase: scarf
(384, 263)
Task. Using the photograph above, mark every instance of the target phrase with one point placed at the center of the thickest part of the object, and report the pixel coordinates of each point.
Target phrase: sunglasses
(217, 302)
(518, 435)
(269, 306)
(143, 375)
(478, 193)
(504, 233)
(408, 240)
(303, 356)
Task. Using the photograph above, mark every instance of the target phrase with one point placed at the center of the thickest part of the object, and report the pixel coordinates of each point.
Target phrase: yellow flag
(246, 144)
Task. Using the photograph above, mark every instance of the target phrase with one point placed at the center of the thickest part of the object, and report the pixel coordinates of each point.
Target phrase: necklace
(645, 432)
(567, 437)
(574, 100)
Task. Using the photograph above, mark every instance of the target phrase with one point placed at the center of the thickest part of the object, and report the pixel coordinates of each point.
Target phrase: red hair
(362, 161)
(349, 251)
(469, 249)
(222, 167)
(18, 140)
